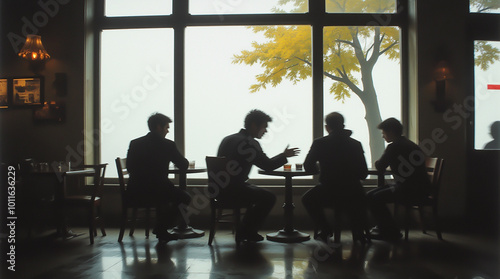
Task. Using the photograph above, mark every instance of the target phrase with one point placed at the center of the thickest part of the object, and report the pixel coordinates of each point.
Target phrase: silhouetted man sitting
(407, 162)
(342, 165)
(148, 161)
(245, 151)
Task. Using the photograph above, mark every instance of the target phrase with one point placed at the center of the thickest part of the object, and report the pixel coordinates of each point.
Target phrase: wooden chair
(128, 203)
(434, 170)
(216, 166)
(91, 202)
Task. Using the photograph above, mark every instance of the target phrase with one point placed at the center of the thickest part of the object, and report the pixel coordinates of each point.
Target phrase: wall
(441, 36)
(60, 24)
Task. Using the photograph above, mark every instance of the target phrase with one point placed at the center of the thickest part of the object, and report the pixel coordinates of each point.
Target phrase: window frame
(180, 18)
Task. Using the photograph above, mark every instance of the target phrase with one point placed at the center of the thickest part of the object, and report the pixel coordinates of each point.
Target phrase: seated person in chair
(148, 161)
(245, 151)
(407, 162)
(342, 165)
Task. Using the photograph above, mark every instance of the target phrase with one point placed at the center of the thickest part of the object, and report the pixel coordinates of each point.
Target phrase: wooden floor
(423, 256)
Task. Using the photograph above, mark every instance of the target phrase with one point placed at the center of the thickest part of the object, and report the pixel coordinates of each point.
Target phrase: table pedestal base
(288, 237)
(187, 232)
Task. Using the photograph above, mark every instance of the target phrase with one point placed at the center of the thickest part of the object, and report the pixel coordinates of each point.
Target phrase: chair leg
(436, 222)
(213, 221)
(336, 225)
(123, 223)
(421, 213)
(148, 212)
(236, 218)
(91, 224)
(101, 221)
(407, 220)
(132, 225)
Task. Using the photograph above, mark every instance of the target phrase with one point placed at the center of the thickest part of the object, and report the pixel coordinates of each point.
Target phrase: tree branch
(358, 51)
(346, 42)
(389, 47)
(303, 60)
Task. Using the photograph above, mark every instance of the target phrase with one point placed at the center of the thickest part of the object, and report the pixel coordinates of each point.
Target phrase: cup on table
(191, 164)
(287, 167)
(298, 166)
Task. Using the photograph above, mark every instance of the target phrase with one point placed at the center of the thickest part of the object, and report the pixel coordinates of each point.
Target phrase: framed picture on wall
(27, 91)
(4, 96)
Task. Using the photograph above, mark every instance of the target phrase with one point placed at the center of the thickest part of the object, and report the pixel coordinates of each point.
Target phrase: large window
(219, 93)
(487, 95)
(208, 69)
(136, 80)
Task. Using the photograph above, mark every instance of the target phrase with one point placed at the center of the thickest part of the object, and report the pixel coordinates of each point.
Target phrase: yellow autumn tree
(349, 55)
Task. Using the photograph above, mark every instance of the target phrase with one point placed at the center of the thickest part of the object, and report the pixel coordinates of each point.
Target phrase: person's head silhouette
(495, 130)
(334, 122)
(495, 134)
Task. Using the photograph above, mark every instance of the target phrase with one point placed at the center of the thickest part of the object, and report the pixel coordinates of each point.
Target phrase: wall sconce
(441, 74)
(34, 52)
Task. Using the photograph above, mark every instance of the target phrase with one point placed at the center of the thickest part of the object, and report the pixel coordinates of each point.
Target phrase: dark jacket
(407, 162)
(341, 160)
(148, 160)
(246, 151)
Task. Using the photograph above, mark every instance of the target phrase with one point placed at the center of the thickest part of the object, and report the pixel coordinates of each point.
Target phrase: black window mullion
(180, 12)
(317, 12)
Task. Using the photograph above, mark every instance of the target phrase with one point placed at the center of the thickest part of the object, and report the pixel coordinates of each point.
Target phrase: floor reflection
(246, 261)
(345, 260)
(421, 257)
(147, 261)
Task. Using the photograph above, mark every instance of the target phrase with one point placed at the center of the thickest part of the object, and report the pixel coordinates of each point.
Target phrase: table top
(189, 170)
(291, 172)
(375, 171)
(62, 172)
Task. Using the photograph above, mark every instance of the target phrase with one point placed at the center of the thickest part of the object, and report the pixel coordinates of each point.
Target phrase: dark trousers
(378, 200)
(258, 203)
(316, 199)
(380, 197)
(169, 201)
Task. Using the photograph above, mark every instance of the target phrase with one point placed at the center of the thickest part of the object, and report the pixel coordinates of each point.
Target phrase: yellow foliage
(286, 53)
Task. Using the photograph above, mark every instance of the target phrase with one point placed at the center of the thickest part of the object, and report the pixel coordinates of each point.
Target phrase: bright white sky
(164, 7)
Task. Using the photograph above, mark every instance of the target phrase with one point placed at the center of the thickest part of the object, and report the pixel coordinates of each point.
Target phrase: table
(60, 192)
(183, 230)
(380, 175)
(288, 234)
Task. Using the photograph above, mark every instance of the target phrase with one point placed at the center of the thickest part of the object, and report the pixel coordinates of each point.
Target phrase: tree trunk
(372, 116)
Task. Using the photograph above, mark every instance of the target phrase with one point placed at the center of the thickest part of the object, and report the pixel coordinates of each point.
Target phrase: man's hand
(291, 152)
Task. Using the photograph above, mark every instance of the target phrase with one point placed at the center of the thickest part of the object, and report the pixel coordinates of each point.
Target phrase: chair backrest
(434, 170)
(121, 167)
(218, 174)
(99, 173)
